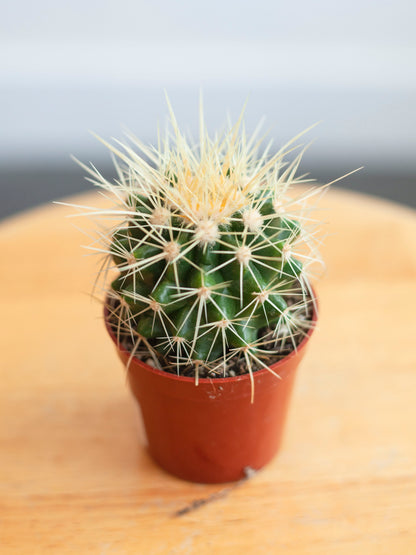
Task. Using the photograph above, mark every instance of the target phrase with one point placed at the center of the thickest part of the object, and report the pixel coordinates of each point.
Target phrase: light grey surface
(373, 21)
(67, 68)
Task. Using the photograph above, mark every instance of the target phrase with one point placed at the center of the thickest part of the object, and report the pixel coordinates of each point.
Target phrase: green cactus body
(206, 293)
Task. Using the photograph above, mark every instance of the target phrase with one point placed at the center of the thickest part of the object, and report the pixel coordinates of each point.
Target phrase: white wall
(67, 67)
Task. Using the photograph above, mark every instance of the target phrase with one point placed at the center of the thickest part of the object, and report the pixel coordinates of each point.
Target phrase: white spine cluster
(212, 241)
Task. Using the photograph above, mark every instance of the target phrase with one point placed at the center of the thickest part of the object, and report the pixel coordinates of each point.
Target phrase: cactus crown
(213, 255)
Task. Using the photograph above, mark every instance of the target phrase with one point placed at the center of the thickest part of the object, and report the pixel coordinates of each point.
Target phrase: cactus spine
(211, 249)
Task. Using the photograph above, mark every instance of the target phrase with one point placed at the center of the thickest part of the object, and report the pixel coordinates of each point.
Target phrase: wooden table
(75, 476)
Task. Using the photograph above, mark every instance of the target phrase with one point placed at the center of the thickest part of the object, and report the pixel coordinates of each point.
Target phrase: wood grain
(75, 476)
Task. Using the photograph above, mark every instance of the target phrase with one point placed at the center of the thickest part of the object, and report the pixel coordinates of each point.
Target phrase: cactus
(212, 254)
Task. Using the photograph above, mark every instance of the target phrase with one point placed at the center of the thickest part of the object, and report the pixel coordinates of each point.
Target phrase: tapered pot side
(211, 432)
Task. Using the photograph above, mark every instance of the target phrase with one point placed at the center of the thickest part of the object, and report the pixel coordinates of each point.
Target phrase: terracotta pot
(211, 432)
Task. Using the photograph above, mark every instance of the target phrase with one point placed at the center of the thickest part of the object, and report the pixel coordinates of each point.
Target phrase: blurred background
(70, 67)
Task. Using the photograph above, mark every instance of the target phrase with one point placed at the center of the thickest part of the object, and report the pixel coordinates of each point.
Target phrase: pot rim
(244, 377)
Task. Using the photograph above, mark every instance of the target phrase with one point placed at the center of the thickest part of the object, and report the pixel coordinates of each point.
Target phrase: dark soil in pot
(284, 344)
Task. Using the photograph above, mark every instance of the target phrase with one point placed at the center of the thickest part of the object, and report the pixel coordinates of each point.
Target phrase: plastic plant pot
(212, 432)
